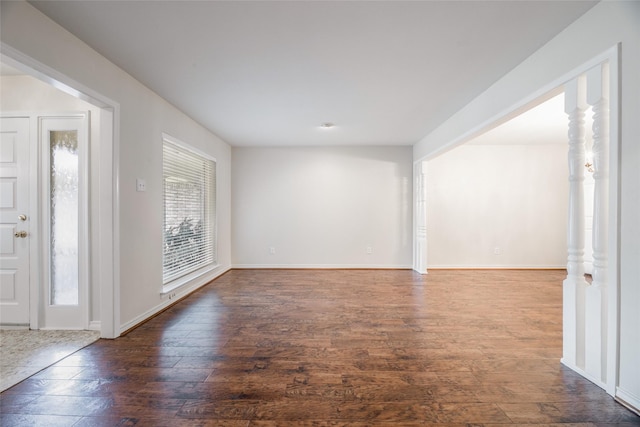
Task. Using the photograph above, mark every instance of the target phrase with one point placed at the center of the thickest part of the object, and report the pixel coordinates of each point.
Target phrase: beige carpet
(24, 353)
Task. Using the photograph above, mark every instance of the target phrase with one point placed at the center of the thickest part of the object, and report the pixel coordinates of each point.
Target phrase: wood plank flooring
(331, 348)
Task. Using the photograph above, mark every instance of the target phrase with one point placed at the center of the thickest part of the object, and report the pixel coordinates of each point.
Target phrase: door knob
(20, 234)
(22, 217)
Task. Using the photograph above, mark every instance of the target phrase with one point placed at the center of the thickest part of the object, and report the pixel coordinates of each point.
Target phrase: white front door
(15, 222)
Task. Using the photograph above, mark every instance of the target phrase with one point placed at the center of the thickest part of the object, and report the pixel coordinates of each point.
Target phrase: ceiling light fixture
(327, 125)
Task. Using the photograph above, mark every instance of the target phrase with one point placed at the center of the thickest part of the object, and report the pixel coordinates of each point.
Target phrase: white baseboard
(585, 374)
(628, 399)
(14, 326)
(95, 325)
(322, 266)
(175, 295)
(497, 267)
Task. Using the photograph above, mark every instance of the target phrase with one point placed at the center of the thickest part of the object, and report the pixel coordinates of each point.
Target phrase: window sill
(188, 279)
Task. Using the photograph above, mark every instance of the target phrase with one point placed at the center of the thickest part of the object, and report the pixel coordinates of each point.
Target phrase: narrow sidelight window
(64, 154)
(64, 194)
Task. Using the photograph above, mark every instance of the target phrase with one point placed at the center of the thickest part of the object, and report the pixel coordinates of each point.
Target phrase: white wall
(511, 197)
(29, 95)
(143, 118)
(322, 207)
(601, 28)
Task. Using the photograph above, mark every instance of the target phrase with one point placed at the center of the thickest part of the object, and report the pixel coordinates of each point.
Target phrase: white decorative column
(420, 219)
(596, 293)
(575, 284)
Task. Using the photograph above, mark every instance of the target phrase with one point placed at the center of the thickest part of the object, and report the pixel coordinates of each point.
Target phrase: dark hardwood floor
(331, 348)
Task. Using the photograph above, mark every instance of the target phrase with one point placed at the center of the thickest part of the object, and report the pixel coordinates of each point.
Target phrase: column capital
(598, 83)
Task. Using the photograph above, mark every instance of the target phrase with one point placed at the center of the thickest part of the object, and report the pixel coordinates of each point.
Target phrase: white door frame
(612, 57)
(107, 214)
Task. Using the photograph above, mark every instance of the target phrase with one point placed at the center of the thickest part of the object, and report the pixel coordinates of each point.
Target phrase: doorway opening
(500, 200)
(590, 310)
(101, 263)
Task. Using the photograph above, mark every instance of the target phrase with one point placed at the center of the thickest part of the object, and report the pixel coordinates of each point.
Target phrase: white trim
(582, 372)
(108, 217)
(414, 232)
(15, 327)
(16, 59)
(613, 255)
(545, 92)
(35, 277)
(629, 400)
(323, 266)
(188, 279)
(109, 214)
(95, 325)
(172, 296)
(181, 144)
(498, 267)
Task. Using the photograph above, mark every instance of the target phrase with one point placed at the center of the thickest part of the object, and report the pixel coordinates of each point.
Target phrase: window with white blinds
(189, 210)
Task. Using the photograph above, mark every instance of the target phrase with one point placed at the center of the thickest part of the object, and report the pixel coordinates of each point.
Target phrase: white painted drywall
(510, 199)
(144, 116)
(601, 28)
(29, 95)
(322, 207)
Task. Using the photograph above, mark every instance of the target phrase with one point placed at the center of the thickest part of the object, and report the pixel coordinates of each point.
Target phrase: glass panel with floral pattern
(64, 217)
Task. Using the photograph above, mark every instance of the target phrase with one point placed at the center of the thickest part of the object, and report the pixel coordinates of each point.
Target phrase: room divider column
(420, 220)
(596, 293)
(574, 285)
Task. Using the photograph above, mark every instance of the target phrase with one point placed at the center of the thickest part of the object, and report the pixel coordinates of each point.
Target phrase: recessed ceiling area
(268, 73)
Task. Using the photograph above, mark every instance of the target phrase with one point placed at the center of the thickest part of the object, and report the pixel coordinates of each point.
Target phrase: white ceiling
(269, 73)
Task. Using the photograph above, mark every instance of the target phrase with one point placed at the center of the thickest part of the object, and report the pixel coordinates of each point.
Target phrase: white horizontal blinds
(189, 211)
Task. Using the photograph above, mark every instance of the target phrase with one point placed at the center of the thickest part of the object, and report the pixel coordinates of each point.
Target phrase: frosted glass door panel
(64, 145)
(64, 192)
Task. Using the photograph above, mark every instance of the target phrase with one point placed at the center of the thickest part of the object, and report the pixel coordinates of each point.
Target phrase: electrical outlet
(369, 250)
(272, 250)
(141, 184)
(497, 250)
